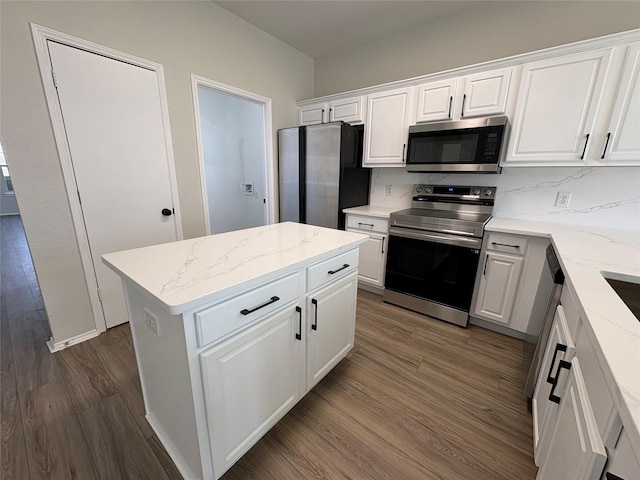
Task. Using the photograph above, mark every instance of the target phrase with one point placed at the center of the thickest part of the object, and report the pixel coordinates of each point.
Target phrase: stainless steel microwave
(472, 145)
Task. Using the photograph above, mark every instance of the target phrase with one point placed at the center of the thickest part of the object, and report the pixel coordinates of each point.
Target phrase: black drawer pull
(552, 397)
(314, 325)
(464, 100)
(366, 224)
(559, 348)
(331, 272)
(517, 247)
(586, 142)
(269, 302)
(299, 334)
(606, 144)
(450, 106)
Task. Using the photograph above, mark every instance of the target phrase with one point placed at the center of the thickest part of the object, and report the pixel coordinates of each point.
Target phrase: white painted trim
(265, 102)
(57, 346)
(40, 37)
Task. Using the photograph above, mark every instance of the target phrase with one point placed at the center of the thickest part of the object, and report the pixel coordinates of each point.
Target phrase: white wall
(233, 151)
(186, 37)
(487, 31)
(606, 197)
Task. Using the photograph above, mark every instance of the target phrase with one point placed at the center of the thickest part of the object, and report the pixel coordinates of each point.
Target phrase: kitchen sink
(629, 293)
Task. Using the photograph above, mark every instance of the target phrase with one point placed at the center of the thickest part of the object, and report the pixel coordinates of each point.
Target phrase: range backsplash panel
(602, 196)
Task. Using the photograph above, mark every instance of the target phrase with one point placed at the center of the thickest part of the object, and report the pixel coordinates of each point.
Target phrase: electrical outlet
(389, 190)
(152, 322)
(562, 200)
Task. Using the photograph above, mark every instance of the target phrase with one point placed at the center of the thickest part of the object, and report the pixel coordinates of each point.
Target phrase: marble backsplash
(602, 196)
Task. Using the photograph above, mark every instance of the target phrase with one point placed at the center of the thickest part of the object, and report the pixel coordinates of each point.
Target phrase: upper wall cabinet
(476, 95)
(577, 110)
(386, 128)
(622, 138)
(350, 110)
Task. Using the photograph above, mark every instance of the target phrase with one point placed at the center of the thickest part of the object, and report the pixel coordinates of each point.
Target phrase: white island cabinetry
(231, 330)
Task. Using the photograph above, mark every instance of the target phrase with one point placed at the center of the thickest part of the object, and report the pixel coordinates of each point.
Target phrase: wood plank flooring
(415, 399)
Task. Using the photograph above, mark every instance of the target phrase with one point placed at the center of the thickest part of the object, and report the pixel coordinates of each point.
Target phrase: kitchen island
(231, 330)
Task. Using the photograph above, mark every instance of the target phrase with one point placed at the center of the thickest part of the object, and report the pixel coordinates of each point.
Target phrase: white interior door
(121, 161)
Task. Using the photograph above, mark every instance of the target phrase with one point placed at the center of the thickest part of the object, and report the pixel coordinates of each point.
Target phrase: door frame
(265, 102)
(40, 37)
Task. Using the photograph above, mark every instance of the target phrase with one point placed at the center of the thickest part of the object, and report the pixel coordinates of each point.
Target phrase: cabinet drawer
(323, 272)
(223, 318)
(507, 243)
(368, 224)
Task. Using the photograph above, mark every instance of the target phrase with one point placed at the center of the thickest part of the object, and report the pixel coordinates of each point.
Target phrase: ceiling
(322, 27)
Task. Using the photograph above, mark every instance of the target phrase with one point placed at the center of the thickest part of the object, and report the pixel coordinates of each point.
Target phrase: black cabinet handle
(404, 146)
(611, 476)
(517, 247)
(322, 116)
(299, 334)
(604, 152)
(552, 397)
(464, 100)
(450, 105)
(366, 224)
(586, 142)
(331, 272)
(314, 325)
(484, 270)
(382, 245)
(247, 311)
(166, 212)
(559, 348)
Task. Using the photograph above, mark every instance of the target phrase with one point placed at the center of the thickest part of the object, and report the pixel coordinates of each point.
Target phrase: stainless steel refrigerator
(320, 169)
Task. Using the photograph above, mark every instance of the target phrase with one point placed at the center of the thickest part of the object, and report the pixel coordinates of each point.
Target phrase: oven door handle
(432, 237)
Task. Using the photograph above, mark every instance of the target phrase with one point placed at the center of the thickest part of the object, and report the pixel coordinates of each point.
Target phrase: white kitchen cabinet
(498, 286)
(331, 319)
(576, 451)
(373, 253)
(560, 347)
(223, 355)
(250, 382)
(349, 110)
(475, 95)
(556, 109)
(622, 138)
(386, 128)
(313, 114)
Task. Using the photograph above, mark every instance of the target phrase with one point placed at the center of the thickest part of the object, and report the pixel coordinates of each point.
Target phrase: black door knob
(166, 212)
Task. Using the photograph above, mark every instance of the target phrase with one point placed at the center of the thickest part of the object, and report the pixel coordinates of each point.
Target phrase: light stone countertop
(372, 210)
(185, 274)
(614, 332)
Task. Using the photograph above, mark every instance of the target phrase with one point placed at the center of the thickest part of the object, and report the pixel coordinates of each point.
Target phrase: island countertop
(188, 273)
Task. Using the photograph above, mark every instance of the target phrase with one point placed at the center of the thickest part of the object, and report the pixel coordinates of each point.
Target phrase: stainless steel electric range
(433, 250)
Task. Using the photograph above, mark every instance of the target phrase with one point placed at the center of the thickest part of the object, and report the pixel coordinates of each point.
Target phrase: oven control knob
(488, 192)
(427, 189)
(418, 189)
(476, 191)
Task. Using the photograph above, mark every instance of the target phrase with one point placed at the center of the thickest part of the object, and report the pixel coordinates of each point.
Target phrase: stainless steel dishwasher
(554, 274)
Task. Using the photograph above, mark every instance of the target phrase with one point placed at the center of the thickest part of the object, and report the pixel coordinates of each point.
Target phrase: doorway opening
(233, 129)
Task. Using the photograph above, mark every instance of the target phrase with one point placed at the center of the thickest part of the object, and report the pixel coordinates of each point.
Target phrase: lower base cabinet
(250, 381)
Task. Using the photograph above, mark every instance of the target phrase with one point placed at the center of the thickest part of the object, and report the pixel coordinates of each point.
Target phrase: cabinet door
(435, 100)
(386, 129)
(498, 286)
(556, 108)
(560, 346)
(250, 382)
(312, 114)
(371, 262)
(485, 93)
(350, 110)
(623, 137)
(331, 319)
(576, 451)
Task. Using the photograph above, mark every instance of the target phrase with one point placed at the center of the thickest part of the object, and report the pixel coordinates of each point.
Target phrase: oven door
(437, 267)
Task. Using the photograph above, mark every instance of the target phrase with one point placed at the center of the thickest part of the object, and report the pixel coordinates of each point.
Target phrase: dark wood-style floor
(415, 399)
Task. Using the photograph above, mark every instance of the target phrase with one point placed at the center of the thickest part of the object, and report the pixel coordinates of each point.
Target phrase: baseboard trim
(57, 346)
(184, 470)
(370, 288)
(527, 337)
